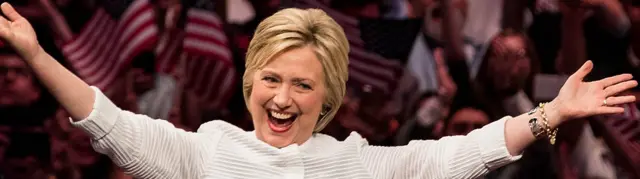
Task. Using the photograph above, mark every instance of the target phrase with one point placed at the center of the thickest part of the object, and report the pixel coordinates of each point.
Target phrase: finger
(610, 110)
(438, 55)
(620, 87)
(618, 100)
(441, 66)
(5, 32)
(4, 22)
(584, 70)
(10, 12)
(615, 79)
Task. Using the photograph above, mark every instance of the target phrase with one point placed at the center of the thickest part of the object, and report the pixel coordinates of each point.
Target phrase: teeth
(278, 115)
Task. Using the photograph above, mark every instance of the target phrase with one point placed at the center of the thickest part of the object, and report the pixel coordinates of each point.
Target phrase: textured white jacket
(148, 148)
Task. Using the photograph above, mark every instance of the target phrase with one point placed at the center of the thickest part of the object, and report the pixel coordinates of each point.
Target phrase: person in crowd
(23, 100)
(432, 108)
(506, 73)
(502, 73)
(152, 93)
(462, 122)
(27, 156)
(72, 154)
(586, 151)
(17, 84)
(294, 83)
(603, 23)
(364, 110)
(495, 77)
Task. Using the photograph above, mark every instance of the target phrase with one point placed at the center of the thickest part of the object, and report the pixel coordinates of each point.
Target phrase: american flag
(109, 42)
(169, 51)
(203, 48)
(365, 68)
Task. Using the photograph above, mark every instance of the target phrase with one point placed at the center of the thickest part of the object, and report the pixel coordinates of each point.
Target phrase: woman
(294, 82)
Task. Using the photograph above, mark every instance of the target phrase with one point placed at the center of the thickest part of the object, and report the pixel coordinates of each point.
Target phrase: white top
(148, 148)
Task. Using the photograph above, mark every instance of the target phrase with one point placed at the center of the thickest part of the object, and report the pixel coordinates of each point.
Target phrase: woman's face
(287, 97)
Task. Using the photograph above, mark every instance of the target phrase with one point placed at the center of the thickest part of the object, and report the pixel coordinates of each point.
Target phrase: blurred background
(419, 69)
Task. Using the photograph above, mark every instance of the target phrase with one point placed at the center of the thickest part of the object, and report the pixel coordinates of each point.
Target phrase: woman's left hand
(578, 99)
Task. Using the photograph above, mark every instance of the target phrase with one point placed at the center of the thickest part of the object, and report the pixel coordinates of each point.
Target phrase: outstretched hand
(578, 98)
(17, 32)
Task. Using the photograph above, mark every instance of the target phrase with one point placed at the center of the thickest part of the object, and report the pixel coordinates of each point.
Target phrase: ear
(325, 109)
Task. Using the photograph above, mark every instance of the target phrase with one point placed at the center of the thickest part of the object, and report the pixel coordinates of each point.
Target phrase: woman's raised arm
(144, 147)
(502, 141)
(72, 93)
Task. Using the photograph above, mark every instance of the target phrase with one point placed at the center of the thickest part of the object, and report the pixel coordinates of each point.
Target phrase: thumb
(5, 32)
(8, 11)
(584, 70)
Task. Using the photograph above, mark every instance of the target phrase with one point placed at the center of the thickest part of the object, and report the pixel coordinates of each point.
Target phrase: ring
(605, 102)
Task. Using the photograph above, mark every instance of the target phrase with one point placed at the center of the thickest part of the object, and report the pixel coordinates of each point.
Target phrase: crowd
(460, 65)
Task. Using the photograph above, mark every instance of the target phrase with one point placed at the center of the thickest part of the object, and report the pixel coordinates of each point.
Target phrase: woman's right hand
(18, 32)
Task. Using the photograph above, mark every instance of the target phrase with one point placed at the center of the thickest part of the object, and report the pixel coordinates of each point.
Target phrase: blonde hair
(295, 28)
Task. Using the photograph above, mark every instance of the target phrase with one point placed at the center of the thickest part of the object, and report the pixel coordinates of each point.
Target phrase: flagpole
(221, 9)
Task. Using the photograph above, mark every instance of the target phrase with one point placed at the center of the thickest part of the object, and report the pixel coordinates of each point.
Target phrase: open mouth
(281, 121)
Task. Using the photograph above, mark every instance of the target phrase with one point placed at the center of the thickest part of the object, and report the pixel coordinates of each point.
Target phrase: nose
(520, 68)
(283, 97)
(11, 75)
(8, 76)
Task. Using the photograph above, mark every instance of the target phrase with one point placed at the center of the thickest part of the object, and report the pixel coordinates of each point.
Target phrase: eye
(522, 54)
(304, 86)
(270, 79)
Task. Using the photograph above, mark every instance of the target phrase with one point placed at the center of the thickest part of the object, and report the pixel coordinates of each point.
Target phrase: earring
(325, 109)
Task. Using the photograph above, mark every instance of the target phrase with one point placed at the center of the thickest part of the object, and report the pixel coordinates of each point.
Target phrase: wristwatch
(536, 128)
(533, 111)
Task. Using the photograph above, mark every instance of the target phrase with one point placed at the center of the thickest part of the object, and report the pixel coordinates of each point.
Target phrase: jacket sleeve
(142, 146)
(470, 156)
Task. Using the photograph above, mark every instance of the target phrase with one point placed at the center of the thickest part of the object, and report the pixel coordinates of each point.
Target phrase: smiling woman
(294, 83)
(288, 102)
(285, 100)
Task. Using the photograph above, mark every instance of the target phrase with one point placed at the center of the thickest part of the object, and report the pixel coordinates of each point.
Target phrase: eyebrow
(297, 80)
(269, 72)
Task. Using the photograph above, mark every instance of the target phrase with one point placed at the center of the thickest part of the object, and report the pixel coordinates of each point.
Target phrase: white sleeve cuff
(493, 146)
(102, 118)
